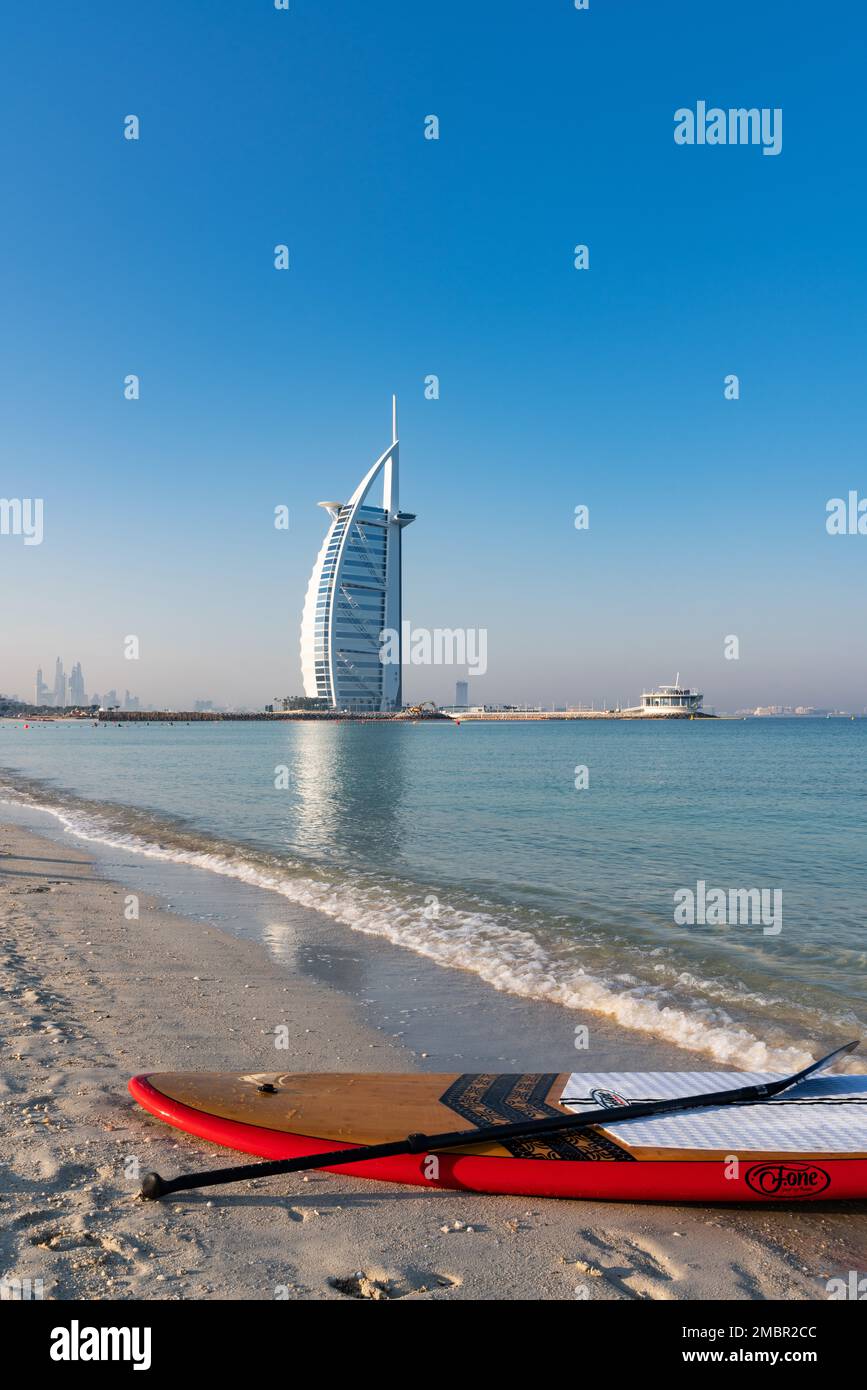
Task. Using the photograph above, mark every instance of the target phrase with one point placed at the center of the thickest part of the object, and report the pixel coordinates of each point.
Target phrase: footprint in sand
(378, 1287)
(646, 1271)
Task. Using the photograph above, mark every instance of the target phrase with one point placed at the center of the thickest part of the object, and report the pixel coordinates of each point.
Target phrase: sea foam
(508, 958)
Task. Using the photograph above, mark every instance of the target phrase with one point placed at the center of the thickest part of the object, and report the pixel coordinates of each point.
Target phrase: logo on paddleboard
(787, 1179)
(607, 1100)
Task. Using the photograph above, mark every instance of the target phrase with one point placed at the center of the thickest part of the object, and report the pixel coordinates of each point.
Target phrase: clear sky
(453, 257)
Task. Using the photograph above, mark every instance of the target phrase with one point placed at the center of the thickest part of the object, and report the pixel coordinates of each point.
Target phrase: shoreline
(93, 998)
(462, 1022)
(472, 952)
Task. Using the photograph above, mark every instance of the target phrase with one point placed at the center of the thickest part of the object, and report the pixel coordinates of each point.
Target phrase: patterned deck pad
(824, 1114)
(490, 1099)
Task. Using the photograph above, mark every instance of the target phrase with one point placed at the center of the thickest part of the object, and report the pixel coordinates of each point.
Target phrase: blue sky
(454, 257)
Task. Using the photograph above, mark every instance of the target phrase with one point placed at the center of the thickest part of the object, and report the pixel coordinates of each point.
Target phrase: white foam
(509, 959)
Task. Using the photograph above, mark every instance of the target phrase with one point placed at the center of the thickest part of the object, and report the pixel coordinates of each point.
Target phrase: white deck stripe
(825, 1114)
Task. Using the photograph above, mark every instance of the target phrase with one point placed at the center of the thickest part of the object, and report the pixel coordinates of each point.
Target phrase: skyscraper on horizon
(77, 695)
(355, 592)
(462, 693)
(41, 692)
(59, 684)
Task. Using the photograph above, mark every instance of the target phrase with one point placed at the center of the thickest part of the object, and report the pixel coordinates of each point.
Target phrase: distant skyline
(68, 689)
(412, 258)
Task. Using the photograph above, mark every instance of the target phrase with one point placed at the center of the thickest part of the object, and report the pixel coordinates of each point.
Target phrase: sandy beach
(90, 997)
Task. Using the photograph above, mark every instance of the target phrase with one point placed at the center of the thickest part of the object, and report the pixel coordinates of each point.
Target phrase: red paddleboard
(807, 1144)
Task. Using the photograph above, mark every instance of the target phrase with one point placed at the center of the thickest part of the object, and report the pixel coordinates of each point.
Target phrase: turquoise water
(473, 847)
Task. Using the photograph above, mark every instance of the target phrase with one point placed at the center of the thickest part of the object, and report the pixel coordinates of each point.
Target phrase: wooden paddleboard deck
(808, 1144)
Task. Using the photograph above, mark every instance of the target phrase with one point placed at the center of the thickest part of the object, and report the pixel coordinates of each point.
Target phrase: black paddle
(153, 1186)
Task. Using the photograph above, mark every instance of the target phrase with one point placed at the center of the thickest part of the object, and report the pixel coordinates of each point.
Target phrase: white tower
(354, 596)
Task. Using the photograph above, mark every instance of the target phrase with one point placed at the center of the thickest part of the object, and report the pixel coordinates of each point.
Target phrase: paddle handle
(153, 1186)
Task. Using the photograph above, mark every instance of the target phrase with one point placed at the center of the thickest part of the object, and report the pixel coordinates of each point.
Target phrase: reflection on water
(344, 793)
(281, 939)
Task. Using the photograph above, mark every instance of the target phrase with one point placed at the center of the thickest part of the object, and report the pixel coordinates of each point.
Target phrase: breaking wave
(651, 997)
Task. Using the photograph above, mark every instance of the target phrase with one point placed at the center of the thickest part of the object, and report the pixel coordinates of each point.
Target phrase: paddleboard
(808, 1144)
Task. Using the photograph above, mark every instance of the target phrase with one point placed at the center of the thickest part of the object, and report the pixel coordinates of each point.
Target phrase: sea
(546, 858)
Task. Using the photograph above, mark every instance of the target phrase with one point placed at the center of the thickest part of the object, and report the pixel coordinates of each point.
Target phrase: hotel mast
(355, 592)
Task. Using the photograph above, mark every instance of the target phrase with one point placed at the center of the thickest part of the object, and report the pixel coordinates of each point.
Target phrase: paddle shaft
(153, 1186)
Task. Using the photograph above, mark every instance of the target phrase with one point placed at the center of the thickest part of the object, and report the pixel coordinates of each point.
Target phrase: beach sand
(89, 998)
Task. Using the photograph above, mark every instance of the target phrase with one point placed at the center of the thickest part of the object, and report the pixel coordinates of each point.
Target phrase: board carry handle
(153, 1186)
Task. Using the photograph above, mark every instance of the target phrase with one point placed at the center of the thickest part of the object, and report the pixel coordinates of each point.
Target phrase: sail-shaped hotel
(355, 593)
